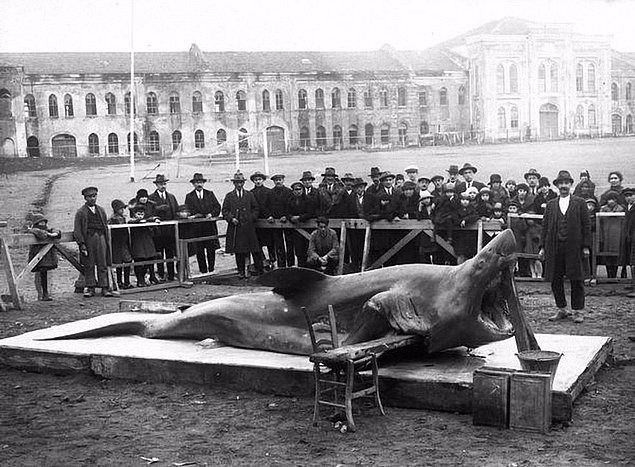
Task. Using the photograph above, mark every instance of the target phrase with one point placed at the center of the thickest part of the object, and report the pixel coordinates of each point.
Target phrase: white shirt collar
(563, 203)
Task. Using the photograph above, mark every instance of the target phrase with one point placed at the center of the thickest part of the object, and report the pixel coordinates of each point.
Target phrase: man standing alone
(565, 245)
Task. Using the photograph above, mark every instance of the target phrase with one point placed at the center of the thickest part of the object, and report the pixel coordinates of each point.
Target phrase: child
(120, 240)
(40, 229)
(143, 248)
(510, 186)
(484, 206)
(592, 207)
(427, 247)
(532, 244)
(465, 240)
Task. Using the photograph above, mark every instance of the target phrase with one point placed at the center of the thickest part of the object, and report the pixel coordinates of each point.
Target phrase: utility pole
(132, 94)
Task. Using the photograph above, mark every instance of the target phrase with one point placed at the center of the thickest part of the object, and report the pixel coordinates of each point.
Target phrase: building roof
(623, 63)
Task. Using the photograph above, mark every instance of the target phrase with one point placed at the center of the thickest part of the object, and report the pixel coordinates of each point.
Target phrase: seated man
(324, 248)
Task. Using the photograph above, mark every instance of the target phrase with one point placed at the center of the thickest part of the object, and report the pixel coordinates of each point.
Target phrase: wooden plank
(340, 260)
(31, 264)
(366, 251)
(20, 240)
(441, 242)
(9, 272)
(364, 349)
(395, 248)
(152, 288)
(152, 306)
(70, 257)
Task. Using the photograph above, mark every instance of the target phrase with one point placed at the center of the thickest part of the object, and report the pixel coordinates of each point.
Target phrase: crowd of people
(451, 202)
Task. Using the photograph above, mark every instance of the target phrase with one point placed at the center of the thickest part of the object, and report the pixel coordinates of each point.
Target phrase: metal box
(530, 402)
(490, 397)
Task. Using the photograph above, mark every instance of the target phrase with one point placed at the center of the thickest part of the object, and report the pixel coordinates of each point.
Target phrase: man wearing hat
(282, 238)
(298, 210)
(565, 244)
(315, 203)
(384, 205)
(262, 195)
(203, 204)
(498, 193)
(532, 177)
(437, 190)
(90, 234)
(412, 171)
(329, 190)
(240, 210)
(375, 186)
(324, 248)
(467, 172)
(453, 173)
(344, 203)
(628, 237)
(355, 237)
(585, 177)
(165, 207)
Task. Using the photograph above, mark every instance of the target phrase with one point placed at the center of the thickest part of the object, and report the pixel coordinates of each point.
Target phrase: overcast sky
(216, 25)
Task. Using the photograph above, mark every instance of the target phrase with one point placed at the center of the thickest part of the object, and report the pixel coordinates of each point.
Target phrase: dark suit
(241, 238)
(462, 186)
(165, 209)
(90, 234)
(265, 237)
(375, 209)
(201, 208)
(278, 202)
(563, 238)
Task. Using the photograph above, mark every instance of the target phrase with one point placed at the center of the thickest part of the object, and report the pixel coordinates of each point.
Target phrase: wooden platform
(439, 382)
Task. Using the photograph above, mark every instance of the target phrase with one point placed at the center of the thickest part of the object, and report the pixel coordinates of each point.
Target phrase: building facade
(510, 79)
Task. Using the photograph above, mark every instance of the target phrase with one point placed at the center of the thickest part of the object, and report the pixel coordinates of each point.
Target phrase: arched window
(542, 78)
(502, 122)
(615, 93)
(338, 141)
(243, 140)
(221, 136)
(403, 134)
(443, 96)
(197, 102)
(152, 104)
(126, 104)
(424, 128)
(302, 99)
(591, 78)
(5, 112)
(64, 145)
(68, 106)
(29, 102)
(591, 116)
(199, 139)
(384, 134)
(579, 77)
(368, 98)
(91, 104)
(319, 98)
(266, 101)
(113, 143)
(175, 103)
(219, 101)
(336, 99)
(154, 145)
(320, 136)
(32, 146)
(628, 91)
(53, 112)
(383, 98)
(279, 100)
(513, 78)
(401, 97)
(500, 79)
(111, 104)
(351, 99)
(241, 100)
(93, 144)
(553, 77)
(579, 117)
(461, 95)
(513, 117)
(353, 135)
(369, 133)
(305, 137)
(176, 139)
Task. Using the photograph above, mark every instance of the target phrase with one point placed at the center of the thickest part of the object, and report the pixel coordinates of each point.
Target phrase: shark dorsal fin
(287, 280)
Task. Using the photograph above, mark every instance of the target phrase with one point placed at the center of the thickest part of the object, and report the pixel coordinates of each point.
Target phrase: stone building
(509, 79)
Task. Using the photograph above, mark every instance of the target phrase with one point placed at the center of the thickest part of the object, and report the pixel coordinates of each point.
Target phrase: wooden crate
(530, 402)
(490, 397)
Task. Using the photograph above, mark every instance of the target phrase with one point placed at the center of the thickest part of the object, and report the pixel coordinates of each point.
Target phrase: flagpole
(132, 106)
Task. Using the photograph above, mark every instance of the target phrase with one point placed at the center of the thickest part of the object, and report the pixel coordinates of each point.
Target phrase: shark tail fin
(135, 325)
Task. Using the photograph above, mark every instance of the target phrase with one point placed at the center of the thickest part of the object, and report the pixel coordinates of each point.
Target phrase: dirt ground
(78, 419)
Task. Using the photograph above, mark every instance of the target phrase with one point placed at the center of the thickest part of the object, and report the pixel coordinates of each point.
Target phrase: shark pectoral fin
(287, 280)
(399, 309)
(370, 323)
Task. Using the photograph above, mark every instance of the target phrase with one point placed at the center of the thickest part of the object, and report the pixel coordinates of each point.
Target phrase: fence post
(340, 265)
(366, 248)
(479, 236)
(9, 272)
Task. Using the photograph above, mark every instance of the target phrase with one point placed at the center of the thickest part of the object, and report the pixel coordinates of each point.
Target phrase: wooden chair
(335, 375)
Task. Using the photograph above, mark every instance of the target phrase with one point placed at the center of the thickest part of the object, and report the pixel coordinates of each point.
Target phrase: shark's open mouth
(495, 306)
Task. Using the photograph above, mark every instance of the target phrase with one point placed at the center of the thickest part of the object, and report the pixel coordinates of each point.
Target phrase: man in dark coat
(467, 172)
(240, 210)
(329, 190)
(90, 234)
(375, 186)
(165, 207)
(262, 195)
(299, 210)
(344, 203)
(282, 238)
(203, 204)
(384, 205)
(356, 236)
(316, 205)
(565, 244)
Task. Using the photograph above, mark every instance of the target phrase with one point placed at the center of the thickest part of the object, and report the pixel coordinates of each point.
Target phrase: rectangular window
(401, 97)
(423, 99)
(368, 99)
(175, 105)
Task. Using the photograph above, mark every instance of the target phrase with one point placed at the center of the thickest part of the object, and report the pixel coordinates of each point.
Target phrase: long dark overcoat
(200, 208)
(578, 237)
(241, 238)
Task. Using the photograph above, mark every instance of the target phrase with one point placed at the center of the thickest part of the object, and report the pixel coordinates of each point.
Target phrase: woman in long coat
(240, 210)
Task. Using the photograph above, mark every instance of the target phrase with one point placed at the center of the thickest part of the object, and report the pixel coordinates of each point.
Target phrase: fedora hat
(530, 172)
(160, 178)
(238, 177)
(454, 169)
(563, 175)
(358, 181)
(307, 175)
(495, 178)
(257, 173)
(90, 190)
(467, 166)
(386, 174)
(374, 172)
(329, 172)
(347, 176)
(198, 177)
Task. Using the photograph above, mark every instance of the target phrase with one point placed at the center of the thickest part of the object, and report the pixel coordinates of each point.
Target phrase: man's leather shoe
(561, 314)
(88, 292)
